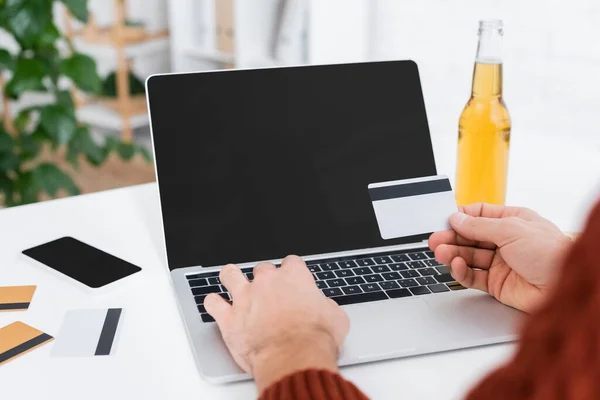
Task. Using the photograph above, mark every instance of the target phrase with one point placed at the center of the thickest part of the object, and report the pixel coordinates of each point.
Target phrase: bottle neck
(487, 76)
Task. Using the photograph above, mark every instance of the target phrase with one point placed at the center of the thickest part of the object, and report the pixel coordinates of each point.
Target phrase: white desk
(153, 359)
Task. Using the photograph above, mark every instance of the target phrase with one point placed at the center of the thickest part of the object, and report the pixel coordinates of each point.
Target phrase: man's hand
(511, 253)
(280, 322)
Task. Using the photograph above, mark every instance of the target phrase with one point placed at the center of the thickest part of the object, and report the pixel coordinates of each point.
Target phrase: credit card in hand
(412, 206)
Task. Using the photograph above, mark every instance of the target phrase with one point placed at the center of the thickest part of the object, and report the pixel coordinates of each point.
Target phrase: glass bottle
(484, 126)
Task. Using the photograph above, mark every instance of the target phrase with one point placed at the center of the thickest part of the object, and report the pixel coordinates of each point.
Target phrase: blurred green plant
(39, 66)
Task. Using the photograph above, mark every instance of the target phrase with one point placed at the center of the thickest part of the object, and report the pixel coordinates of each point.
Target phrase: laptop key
(409, 274)
(359, 298)
(205, 290)
(332, 292)
(427, 280)
(207, 318)
(342, 273)
(443, 278)
(380, 268)
(325, 275)
(198, 282)
(398, 267)
(382, 260)
(355, 280)
(373, 278)
(199, 299)
(398, 293)
(428, 271)
(250, 276)
(455, 286)
(389, 285)
(419, 290)
(347, 264)
(431, 263)
(329, 266)
(224, 289)
(314, 268)
(405, 283)
(336, 282)
(201, 309)
(362, 271)
(400, 257)
(430, 254)
(416, 264)
(417, 256)
(370, 287)
(351, 290)
(225, 296)
(443, 269)
(391, 276)
(440, 287)
(321, 284)
(214, 281)
(365, 262)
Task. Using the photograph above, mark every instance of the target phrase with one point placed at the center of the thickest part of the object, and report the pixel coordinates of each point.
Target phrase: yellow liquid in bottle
(483, 140)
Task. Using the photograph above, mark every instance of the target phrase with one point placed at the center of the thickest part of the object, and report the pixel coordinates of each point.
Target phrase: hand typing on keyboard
(511, 253)
(278, 323)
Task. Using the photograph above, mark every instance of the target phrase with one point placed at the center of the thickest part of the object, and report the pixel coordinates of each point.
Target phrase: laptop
(253, 165)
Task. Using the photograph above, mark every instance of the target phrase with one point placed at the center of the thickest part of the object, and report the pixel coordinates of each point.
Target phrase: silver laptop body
(390, 328)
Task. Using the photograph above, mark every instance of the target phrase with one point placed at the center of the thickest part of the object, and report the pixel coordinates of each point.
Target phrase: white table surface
(153, 358)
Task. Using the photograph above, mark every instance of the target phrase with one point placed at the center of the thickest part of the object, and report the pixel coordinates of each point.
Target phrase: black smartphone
(82, 262)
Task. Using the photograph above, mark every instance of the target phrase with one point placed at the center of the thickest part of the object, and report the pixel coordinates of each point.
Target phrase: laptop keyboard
(357, 279)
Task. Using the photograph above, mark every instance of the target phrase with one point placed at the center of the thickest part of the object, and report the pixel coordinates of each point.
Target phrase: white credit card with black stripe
(412, 206)
(88, 333)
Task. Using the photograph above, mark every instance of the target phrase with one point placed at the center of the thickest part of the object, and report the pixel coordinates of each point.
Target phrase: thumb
(218, 308)
(498, 231)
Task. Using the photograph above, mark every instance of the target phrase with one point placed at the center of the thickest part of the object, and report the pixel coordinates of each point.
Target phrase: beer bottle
(484, 126)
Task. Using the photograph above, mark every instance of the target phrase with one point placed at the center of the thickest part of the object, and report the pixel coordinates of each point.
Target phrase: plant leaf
(25, 186)
(82, 71)
(29, 146)
(23, 118)
(64, 98)
(7, 143)
(8, 160)
(6, 60)
(126, 150)
(6, 187)
(29, 73)
(145, 153)
(50, 179)
(58, 122)
(26, 19)
(82, 143)
(78, 8)
(48, 36)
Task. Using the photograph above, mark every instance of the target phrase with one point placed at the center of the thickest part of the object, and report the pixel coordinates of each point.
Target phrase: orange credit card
(15, 298)
(18, 339)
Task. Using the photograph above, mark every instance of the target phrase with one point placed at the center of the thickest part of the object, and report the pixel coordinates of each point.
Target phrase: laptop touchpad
(383, 328)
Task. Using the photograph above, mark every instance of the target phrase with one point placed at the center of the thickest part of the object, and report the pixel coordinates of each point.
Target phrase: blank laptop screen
(258, 164)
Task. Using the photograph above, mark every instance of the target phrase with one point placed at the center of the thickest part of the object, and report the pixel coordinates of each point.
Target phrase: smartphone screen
(82, 262)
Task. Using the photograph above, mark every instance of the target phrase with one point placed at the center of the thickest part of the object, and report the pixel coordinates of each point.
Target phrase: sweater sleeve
(559, 352)
(313, 385)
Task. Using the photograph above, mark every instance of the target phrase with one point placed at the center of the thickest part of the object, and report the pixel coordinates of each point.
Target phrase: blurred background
(551, 67)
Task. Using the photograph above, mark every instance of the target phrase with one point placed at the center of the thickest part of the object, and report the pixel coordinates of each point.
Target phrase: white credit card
(412, 206)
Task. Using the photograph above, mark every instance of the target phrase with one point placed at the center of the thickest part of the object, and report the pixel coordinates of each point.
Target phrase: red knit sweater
(558, 355)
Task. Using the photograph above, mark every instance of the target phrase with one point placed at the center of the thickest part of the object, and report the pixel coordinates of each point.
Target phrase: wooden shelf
(100, 115)
(211, 55)
(137, 104)
(124, 112)
(108, 51)
(109, 35)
